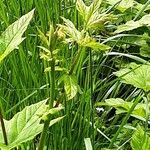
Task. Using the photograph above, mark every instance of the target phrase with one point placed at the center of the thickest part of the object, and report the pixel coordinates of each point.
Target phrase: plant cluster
(91, 67)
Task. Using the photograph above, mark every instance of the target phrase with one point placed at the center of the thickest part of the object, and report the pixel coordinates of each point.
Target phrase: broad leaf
(122, 5)
(122, 106)
(70, 85)
(136, 75)
(91, 16)
(25, 125)
(12, 36)
(140, 140)
(130, 25)
(82, 38)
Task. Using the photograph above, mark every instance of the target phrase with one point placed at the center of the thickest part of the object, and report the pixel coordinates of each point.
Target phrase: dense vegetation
(75, 74)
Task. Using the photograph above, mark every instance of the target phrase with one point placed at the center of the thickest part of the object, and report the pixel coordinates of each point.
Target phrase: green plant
(26, 122)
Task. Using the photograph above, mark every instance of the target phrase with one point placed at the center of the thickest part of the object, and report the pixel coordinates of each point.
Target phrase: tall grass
(23, 81)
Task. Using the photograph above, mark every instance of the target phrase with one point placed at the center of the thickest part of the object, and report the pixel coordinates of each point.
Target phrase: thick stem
(51, 102)
(3, 128)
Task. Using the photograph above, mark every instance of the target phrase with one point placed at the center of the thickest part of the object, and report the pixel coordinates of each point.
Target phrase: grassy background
(23, 81)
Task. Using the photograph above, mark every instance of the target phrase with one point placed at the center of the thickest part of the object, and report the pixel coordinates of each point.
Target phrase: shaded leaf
(140, 140)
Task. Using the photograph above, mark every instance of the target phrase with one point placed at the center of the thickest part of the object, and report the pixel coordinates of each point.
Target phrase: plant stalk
(91, 96)
(51, 102)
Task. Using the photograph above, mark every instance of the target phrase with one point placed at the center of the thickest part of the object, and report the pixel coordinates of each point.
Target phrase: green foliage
(122, 106)
(25, 125)
(130, 25)
(12, 36)
(140, 140)
(82, 38)
(136, 75)
(122, 5)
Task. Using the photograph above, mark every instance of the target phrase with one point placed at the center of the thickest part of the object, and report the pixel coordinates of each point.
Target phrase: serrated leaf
(91, 16)
(136, 75)
(12, 36)
(140, 140)
(25, 125)
(81, 7)
(70, 30)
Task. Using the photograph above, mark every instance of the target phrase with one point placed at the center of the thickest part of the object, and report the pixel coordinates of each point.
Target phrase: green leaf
(25, 125)
(70, 30)
(140, 140)
(136, 75)
(12, 36)
(91, 16)
(88, 144)
(81, 7)
(145, 51)
(71, 86)
(51, 112)
(122, 5)
(122, 106)
(97, 46)
(130, 25)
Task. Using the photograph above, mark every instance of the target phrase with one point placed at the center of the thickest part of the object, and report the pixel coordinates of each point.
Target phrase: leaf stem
(51, 102)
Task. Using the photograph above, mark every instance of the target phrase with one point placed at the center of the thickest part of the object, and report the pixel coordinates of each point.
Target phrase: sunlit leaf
(122, 5)
(88, 144)
(12, 36)
(136, 75)
(122, 106)
(130, 25)
(25, 125)
(70, 30)
(70, 86)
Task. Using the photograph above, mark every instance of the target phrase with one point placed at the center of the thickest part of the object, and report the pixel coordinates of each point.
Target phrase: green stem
(3, 128)
(51, 102)
(75, 61)
(91, 96)
(124, 122)
(141, 11)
